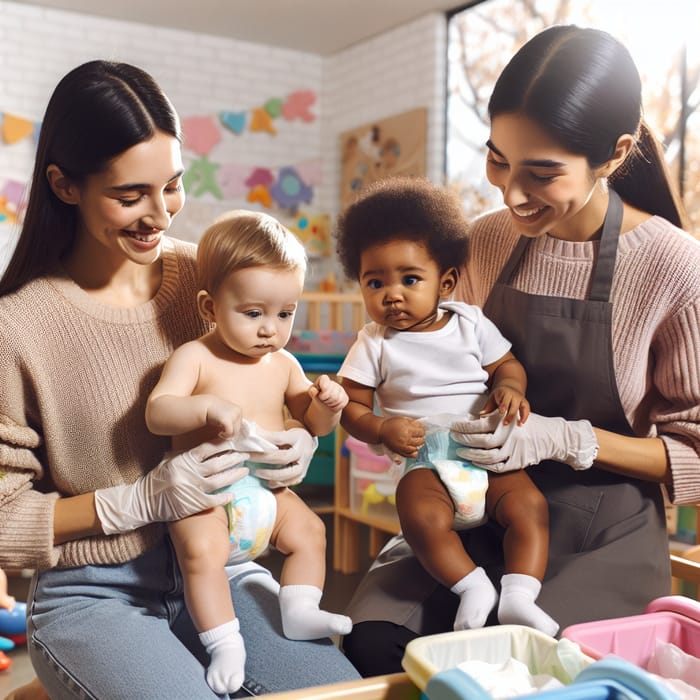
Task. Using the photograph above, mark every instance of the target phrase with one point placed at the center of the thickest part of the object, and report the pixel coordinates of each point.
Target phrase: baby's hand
(224, 416)
(329, 393)
(405, 436)
(510, 402)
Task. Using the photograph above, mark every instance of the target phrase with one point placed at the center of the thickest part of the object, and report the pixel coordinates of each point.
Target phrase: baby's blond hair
(239, 239)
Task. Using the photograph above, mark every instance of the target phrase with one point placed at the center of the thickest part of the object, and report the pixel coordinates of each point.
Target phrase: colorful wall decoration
(286, 188)
(11, 200)
(392, 146)
(14, 128)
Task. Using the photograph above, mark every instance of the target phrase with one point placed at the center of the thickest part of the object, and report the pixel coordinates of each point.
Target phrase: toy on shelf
(374, 493)
(15, 626)
(13, 623)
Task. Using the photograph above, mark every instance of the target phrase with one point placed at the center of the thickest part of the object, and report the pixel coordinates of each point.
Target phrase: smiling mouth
(142, 237)
(525, 214)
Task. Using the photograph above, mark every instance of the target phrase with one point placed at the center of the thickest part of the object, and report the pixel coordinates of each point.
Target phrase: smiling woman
(94, 300)
(587, 272)
(120, 223)
(669, 79)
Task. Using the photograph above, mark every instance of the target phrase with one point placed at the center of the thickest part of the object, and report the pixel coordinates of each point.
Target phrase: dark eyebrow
(529, 163)
(142, 186)
(405, 270)
(491, 147)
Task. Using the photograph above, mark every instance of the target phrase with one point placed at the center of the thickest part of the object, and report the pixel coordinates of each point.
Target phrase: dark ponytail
(580, 85)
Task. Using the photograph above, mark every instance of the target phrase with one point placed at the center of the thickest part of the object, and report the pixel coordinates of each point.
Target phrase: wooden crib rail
(335, 311)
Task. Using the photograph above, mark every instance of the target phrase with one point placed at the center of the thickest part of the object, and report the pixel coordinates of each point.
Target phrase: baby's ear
(448, 282)
(205, 305)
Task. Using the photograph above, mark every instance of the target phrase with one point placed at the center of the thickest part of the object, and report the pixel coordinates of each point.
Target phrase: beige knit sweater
(656, 321)
(74, 378)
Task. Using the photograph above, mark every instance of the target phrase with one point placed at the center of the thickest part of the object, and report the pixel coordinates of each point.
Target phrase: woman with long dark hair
(94, 300)
(588, 272)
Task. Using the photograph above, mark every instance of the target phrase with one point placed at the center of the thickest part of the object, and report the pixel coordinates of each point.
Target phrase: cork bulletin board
(395, 145)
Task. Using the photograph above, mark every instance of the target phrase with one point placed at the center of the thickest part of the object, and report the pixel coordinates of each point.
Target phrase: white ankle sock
(224, 644)
(301, 617)
(517, 605)
(477, 599)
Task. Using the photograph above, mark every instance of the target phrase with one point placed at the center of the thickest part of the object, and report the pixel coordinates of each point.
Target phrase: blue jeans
(123, 632)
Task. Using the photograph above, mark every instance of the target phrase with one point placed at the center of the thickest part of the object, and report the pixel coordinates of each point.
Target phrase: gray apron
(608, 543)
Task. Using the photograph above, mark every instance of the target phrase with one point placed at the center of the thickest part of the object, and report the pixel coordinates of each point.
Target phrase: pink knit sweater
(656, 321)
(74, 378)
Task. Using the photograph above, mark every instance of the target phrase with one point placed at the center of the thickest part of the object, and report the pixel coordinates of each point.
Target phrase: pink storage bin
(372, 481)
(365, 459)
(672, 619)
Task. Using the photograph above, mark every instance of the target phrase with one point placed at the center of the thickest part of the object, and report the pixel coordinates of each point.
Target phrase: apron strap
(607, 252)
(509, 267)
(603, 268)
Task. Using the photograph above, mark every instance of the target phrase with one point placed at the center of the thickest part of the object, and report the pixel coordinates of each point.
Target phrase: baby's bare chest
(259, 389)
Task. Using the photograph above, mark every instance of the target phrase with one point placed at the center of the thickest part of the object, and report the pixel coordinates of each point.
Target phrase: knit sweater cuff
(685, 474)
(27, 533)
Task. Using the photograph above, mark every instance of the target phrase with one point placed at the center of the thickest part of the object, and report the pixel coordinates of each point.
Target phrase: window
(483, 36)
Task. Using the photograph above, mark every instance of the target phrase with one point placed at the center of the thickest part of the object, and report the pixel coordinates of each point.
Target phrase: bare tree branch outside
(483, 37)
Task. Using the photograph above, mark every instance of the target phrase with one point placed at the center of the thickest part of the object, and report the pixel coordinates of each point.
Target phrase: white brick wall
(397, 71)
(203, 75)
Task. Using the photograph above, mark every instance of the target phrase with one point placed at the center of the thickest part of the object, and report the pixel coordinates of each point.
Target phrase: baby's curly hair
(404, 208)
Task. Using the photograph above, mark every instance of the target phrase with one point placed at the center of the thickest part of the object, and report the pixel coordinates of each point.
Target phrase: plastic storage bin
(427, 656)
(372, 481)
(431, 662)
(672, 619)
(610, 679)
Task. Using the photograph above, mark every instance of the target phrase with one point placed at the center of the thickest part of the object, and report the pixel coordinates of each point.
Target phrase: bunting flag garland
(287, 187)
(201, 134)
(11, 200)
(14, 129)
(200, 130)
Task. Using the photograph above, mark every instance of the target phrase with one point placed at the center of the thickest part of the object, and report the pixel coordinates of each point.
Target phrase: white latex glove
(179, 486)
(502, 448)
(299, 447)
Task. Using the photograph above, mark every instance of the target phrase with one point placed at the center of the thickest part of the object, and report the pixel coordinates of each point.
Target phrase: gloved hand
(502, 448)
(179, 486)
(294, 459)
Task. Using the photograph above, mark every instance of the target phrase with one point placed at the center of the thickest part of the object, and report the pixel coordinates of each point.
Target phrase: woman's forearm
(641, 458)
(75, 517)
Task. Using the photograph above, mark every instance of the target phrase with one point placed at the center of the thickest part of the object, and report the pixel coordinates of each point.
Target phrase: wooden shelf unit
(339, 311)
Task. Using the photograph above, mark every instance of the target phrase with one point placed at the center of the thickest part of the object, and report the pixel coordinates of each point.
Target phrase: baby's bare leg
(521, 508)
(426, 513)
(202, 546)
(300, 534)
